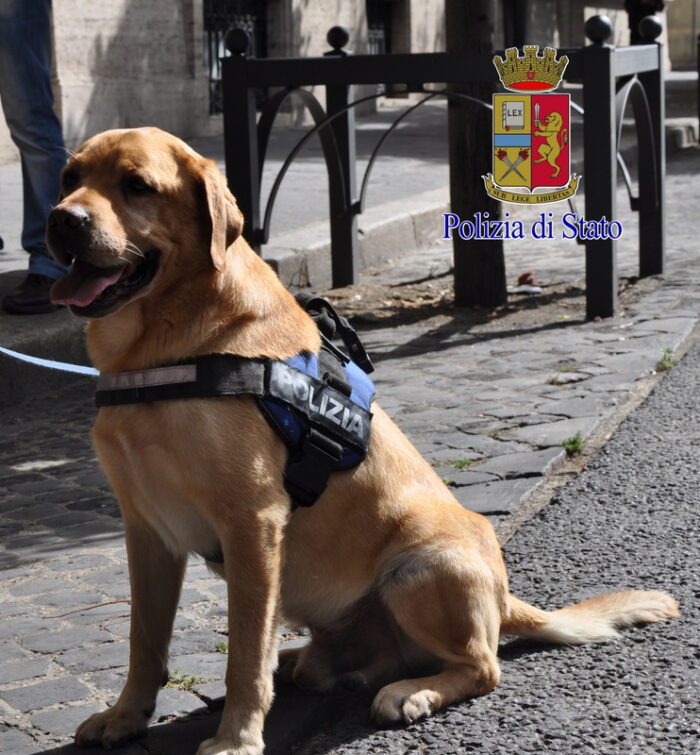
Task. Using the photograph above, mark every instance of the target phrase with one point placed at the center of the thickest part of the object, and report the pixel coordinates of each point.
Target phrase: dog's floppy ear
(225, 219)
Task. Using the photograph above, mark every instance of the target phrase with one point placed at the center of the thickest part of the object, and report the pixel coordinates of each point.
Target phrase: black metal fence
(611, 77)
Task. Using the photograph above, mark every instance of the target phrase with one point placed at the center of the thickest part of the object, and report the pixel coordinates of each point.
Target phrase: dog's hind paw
(395, 705)
(286, 664)
(111, 728)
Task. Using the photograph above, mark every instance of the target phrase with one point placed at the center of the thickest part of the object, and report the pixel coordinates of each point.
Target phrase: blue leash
(79, 369)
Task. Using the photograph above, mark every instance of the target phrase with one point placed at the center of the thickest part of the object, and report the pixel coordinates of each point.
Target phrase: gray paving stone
(679, 325)
(15, 627)
(36, 696)
(506, 412)
(482, 444)
(96, 658)
(553, 433)
(66, 519)
(11, 651)
(189, 595)
(82, 561)
(213, 693)
(63, 722)
(20, 670)
(527, 464)
(37, 586)
(107, 683)
(195, 641)
(460, 477)
(205, 666)
(68, 599)
(53, 641)
(16, 742)
(502, 497)
(31, 513)
(586, 406)
(536, 418)
(176, 702)
(102, 529)
(9, 502)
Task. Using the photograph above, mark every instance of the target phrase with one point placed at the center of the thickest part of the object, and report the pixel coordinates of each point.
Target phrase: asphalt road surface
(632, 520)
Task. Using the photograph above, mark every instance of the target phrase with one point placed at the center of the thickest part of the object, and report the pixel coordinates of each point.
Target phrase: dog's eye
(137, 185)
(70, 180)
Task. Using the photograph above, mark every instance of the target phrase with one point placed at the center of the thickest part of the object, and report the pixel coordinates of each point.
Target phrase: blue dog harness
(319, 404)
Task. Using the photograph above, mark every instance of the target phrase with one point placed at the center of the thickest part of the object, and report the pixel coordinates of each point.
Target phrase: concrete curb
(303, 257)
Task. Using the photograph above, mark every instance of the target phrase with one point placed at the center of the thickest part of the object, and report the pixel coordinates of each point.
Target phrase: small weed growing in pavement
(666, 361)
(574, 445)
(455, 463)
(567, 367)
(460, 463)
(448, 482)
(221, 647)
(179, 680)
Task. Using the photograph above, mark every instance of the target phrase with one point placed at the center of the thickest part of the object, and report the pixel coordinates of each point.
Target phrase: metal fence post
(241, 135)
(600, 165)
(344, 244)
(652, 223)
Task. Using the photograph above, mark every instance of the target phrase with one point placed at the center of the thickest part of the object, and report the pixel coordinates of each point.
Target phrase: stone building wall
(121, 63)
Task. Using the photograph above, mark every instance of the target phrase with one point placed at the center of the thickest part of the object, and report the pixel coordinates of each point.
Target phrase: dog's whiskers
(131, 248)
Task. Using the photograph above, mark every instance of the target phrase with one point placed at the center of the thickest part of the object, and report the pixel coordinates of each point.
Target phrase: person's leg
(27, 102)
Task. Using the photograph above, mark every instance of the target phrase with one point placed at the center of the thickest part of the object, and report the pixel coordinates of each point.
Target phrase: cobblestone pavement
(630, 520)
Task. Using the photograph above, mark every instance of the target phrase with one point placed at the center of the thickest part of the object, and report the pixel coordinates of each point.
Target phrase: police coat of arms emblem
(531, 130)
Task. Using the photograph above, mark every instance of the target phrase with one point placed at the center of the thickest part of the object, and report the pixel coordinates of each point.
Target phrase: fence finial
(338, 37)
(237, 41)
(650, 27)
(598, 29)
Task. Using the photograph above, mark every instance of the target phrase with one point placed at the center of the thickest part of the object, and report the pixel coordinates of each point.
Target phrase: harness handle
(326, 313)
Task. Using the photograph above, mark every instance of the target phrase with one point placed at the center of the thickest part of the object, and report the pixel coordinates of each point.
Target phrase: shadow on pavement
(295, 714)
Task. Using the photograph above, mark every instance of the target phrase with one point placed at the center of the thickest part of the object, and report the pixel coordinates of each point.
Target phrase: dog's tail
(594, 620)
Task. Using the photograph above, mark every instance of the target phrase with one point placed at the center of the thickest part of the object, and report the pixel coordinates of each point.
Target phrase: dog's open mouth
(94, 291)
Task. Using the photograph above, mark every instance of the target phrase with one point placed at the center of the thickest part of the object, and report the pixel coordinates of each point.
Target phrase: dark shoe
(31, 297)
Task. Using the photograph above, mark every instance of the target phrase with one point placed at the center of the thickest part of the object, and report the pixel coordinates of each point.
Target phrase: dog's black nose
(67, 218)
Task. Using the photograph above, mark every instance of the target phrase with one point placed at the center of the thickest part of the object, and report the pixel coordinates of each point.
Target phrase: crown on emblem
(531, 72)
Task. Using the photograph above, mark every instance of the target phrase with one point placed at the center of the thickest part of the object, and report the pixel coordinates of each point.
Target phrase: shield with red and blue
(531, 140)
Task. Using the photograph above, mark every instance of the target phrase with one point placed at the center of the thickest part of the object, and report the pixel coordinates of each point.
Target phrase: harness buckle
(306, 475)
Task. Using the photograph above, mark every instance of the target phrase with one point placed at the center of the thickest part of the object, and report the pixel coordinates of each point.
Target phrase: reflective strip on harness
(179, 373)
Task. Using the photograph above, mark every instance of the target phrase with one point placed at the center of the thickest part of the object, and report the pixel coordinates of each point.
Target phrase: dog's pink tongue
(83, 283)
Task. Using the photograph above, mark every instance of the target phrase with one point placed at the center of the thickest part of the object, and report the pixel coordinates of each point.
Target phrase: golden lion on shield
(556, 140)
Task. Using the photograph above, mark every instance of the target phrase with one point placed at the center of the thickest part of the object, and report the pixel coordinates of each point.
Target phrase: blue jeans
(27, 101)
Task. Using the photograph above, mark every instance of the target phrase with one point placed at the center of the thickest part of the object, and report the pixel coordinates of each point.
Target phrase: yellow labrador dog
(386, 557)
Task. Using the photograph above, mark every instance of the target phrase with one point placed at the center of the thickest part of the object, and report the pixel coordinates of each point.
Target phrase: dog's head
(139, 210)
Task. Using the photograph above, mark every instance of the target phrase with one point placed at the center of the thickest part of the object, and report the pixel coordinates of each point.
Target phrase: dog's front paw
(216, 746)
(111, 728)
